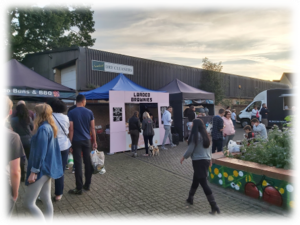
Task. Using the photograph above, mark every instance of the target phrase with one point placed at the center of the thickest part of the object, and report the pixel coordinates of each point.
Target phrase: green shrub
(276, 151)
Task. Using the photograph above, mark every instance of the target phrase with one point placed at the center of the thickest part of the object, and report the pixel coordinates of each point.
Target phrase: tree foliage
(212, 81)
(34, 29)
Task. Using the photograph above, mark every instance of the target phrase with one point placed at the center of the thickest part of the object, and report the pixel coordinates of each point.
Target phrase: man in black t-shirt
(14, 153)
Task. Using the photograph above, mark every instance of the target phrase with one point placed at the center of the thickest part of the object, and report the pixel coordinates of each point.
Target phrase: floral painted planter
(270, 184)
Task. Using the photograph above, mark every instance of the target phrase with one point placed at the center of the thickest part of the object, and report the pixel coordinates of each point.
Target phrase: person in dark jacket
(134, 130)
(217, 131)
(22, 124)
(264, 114)
(200, 154)
(148, 131)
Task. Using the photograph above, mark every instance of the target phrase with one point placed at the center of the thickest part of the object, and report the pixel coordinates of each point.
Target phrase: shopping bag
(97, 159)
(70, 159)
(233, 146)
(209, 128)
(257, 115)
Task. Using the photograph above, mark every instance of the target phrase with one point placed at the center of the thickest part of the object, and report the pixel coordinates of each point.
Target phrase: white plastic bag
(209, 128)
(97, 158)
(233, 147)
(70, 159)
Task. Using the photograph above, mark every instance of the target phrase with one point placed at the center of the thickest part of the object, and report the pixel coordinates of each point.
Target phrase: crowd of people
(47, 136)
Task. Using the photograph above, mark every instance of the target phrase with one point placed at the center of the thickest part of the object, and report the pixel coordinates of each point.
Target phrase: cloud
(248, 37)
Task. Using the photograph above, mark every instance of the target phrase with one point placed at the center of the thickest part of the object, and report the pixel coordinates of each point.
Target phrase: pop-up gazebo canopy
(120, 83)
(180, 93)
(26, 84)
(122, 93)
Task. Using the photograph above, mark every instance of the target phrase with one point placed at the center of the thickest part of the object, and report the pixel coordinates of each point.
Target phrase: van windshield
(257, 103)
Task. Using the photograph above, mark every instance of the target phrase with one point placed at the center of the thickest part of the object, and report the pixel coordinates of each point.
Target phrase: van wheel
(245, 122)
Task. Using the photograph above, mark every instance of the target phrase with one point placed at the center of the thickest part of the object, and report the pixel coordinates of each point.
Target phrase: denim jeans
(59, 183)
(167, 134)
(146, 139)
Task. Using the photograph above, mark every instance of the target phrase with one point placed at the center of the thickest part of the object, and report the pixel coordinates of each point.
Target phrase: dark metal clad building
(84, 69)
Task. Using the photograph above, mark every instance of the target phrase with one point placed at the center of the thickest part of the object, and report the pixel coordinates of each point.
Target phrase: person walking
(166, 118)
(233, 117)
(259, 129)
(22, 124)
(44, 163)
(200, 153)
(81, 124)
(228, 131)
(264, 114)
(148, 131)
(217, 131)
(254, 113)
(63, 125)
(134, 130)
(14, 152)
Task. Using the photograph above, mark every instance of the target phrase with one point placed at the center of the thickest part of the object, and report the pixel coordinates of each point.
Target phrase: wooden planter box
(270, 184)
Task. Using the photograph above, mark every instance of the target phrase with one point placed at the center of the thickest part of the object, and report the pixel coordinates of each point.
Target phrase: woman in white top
(254, 112)
(63, 124)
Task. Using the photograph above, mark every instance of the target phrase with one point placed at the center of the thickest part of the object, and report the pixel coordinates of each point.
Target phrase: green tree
(34, 29)
(213, 80)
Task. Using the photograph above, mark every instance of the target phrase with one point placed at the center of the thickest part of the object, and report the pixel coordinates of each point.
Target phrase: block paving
(149, 187)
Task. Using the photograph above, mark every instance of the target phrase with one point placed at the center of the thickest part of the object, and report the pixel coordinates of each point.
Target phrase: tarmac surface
(150, 187)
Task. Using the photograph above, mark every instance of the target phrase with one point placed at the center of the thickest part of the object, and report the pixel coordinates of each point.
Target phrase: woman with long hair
(228, 131)
(22, 124)
(148, 131)
(134, 130)
(63, 125)
(44, 163)
(200, 153)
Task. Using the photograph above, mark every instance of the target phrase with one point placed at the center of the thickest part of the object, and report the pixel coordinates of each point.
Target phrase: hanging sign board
(31, 92)
(112, 67)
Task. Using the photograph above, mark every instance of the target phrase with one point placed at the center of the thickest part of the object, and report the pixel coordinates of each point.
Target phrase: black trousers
(217, 144)
(134, 134)
(146, 139)
(85, 148)
(200, 175)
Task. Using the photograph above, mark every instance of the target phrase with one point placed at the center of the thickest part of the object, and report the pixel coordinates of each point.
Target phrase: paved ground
(154, 187)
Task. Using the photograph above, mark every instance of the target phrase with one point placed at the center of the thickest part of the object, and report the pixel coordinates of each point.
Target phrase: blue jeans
(217, 144)
(146, 139)
(59, 183)
(167, 134)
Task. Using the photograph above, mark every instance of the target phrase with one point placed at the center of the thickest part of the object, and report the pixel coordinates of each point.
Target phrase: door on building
(68, 77)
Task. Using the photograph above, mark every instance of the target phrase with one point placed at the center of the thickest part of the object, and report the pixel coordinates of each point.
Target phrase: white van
(279, 103)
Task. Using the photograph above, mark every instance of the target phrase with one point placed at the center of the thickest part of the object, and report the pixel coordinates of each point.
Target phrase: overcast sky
(252, 42)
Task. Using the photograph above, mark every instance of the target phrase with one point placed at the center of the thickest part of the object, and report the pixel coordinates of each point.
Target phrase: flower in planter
(220, 182)
(232, 185)
(235, 173)
(289, 188)
(241, 173)
(281, 190)
(260, 193)
(225, 174)
(291, 204)
(230, 178)
(237, 187)
(216, 171)
(220, 175)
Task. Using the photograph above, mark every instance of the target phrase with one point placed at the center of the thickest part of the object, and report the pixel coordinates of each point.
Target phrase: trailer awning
(290, 95)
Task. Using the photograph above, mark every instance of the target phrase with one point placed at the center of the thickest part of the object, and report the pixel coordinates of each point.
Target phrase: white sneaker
(164, 148)
(173, 146)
